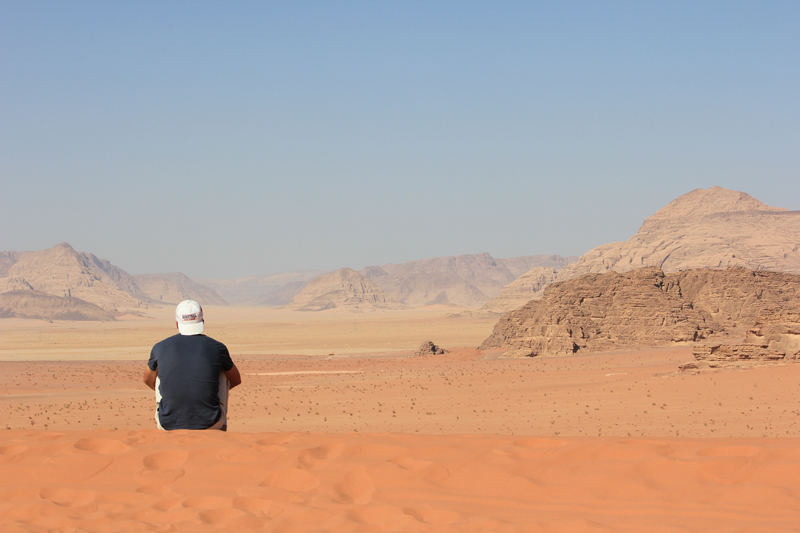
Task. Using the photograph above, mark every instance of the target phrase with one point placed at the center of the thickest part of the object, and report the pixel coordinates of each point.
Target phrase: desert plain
(338, 426)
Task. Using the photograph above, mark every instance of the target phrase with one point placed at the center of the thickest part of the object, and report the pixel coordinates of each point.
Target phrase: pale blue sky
(225, 139)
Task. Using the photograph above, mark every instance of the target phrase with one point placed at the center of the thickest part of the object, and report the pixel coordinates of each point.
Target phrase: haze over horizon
(226, 140)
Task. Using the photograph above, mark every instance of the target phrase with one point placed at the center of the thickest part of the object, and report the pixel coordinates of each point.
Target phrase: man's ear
(176, 325)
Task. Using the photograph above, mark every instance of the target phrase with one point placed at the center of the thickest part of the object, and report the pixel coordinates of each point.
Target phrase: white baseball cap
(189, 316)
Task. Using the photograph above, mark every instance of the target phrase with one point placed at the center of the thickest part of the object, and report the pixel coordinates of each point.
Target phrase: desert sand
(337, 427)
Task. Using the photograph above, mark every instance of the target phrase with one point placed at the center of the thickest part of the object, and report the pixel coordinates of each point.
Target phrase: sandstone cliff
(344, 290)
(775, 338)
(706, 228)
(644, 307)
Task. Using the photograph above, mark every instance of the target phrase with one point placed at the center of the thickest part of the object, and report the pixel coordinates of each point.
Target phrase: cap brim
(190, 329)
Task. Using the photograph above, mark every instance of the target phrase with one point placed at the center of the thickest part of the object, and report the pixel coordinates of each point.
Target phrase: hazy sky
(225, 139)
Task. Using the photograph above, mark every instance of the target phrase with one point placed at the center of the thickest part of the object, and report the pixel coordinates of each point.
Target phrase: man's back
(189, 369)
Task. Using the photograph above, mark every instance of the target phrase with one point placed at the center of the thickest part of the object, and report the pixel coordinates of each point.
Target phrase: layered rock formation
(706, 228)
(464, 280)
(63, 272)
(343, 290)
(644, 307)
(775, 338)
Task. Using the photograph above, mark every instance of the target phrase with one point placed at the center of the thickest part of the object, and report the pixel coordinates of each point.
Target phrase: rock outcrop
(429, 348)
(706, 228)
(344, 290)
(775, 338)
(644, 307)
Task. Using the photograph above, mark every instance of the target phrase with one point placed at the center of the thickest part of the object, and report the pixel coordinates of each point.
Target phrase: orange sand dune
(146, 480)
(373, 439)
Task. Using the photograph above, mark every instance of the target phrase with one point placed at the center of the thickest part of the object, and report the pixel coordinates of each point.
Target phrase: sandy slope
(375, 440)
(189, 481)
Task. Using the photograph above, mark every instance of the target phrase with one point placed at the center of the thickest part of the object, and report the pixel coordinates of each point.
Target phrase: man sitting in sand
(191, 374)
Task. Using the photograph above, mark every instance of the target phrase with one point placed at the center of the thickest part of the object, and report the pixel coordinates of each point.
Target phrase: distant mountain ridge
(463, 280)
(342, 290)
(82, 278)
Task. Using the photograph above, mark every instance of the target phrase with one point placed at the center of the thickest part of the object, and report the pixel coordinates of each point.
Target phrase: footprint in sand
(728, 470)
(728, 451)
(312, 457)
(162, 467)
(71, 466)
(277, 440)
(428, 470)
(408, 463)
(356, 487)
(240, 455)
(374, 516)
(436, 517)
(7, 453)
(102, 446)
(12, 449)
(257, 506)
(291, 479)
(68, 497)
(44, 436)
(164, 460)
(539, 443)
(207, 502)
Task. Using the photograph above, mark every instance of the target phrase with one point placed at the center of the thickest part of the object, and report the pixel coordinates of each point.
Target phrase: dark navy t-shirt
(188, 370)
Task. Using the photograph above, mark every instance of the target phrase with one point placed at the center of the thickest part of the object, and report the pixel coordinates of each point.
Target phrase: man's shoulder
(209, 340)
(168, 340)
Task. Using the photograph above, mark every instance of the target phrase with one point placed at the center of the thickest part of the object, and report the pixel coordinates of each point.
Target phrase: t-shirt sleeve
(152, 363)
(225, 358)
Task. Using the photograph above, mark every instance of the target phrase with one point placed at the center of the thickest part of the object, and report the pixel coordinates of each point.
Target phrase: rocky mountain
(706, 228)
(62, 272)
(174, 287)
(269, 290)
(464, 280)
(516, 294)
(644, 307)
(35, 304)
(343, 290)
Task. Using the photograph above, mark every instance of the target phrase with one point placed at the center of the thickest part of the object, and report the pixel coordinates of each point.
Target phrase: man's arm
(233, 376)
(150, 377)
